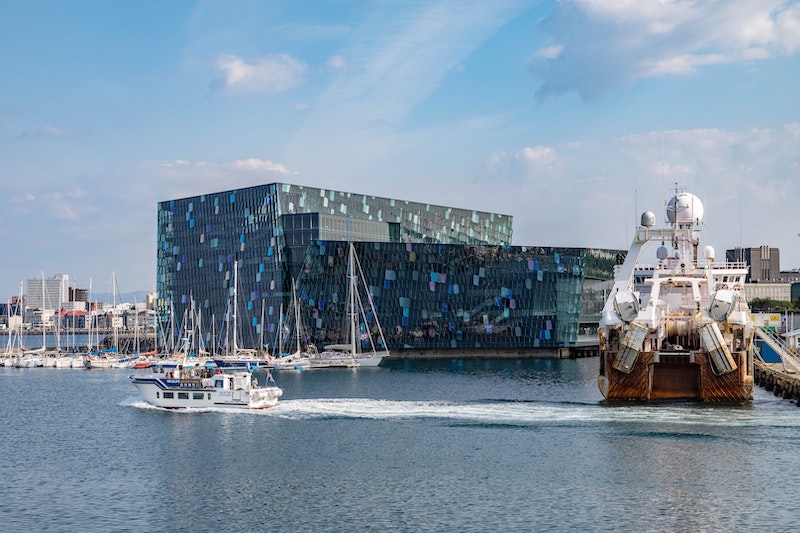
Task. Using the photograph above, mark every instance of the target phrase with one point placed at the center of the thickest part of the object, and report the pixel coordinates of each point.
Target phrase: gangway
(789, 361)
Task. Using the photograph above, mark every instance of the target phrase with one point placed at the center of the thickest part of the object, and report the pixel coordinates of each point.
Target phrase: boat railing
(731, 265)
(715, 266)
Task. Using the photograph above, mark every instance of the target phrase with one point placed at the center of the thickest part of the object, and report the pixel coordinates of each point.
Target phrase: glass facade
(437, 296)
(265, 231)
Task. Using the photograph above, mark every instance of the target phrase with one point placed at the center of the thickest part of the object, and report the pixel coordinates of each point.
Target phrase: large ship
(679, 328)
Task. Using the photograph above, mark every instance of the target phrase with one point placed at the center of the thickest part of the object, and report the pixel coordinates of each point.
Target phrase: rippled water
(428, 446)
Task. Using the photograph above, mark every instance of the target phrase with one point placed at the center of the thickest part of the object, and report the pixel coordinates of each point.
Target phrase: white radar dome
(684, 208)
(648, 219)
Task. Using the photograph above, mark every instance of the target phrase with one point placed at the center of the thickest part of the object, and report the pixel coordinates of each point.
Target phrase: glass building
(440, 277)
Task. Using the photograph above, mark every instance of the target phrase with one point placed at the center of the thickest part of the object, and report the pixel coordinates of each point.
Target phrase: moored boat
(678, 329)
(361, 347)
(185, 389)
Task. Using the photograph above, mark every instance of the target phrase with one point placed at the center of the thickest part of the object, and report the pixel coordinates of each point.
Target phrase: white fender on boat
(629, 348)
(721, 304)
(627, 305)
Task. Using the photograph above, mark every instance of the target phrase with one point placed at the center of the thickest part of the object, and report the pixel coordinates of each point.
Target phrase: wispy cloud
(185, 178)
(337, 62)
(397, 55)
(58, 205)
(253, 164)
(604, 181)
(599, 45)
(274, 73)
(43, 131)
(531, 164)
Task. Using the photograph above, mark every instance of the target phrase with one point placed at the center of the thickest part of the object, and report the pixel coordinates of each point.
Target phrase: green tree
(768, 305)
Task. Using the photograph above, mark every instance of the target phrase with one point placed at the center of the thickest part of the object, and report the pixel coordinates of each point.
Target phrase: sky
(574, 117)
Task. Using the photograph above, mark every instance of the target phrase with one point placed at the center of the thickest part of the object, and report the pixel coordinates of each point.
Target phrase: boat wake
(489, 412)
(506, 413)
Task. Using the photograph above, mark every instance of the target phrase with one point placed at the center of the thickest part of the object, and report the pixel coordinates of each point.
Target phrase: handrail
(783, 351)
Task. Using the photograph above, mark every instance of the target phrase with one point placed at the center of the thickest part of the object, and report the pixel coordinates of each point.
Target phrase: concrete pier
(780, 381)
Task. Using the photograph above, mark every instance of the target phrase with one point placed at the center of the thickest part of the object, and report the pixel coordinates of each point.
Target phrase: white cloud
(59, 205)
(240, 164)
(593, 193)
(604, 44)
(531, 164)
(179, 178)
(537, 155)
(337, 62)
(270, 74)
(43, 131)
(259, 165)
(550, 52)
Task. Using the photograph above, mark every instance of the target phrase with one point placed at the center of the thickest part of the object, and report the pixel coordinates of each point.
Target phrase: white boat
(678, 329)
(236, 390)
(294, 361)
(101, 360)
(299, 360)
(245, 358)
(336, 359)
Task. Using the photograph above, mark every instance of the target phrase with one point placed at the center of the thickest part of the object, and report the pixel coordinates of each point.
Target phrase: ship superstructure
(679, 328)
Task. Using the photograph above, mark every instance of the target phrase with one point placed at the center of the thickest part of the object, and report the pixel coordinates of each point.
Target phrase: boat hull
(191, 393)
(333, 360)
(370, 360)
(686, 376)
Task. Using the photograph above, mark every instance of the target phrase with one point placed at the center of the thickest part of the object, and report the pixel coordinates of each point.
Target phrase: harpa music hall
(441, 278)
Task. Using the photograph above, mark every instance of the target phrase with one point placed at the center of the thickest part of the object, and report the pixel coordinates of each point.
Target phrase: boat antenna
(635, 191)
(741, 246)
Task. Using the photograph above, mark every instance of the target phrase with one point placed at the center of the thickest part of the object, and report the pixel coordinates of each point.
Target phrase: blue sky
(573, 117)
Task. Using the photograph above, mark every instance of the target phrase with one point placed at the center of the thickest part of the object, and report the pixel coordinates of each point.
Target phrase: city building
(440, 277)
(779, 291)
(765, 279)
(48, 294)
(764, 262)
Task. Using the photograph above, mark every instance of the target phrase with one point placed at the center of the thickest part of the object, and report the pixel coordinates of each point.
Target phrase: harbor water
(423, 446)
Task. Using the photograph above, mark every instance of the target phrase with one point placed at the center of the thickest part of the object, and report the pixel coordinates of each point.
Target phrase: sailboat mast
(235, 304)
(44, 330)
(280, 333)
(352, 296)
(90, 314)
(114, 311)
(261, 330)
(296, 315)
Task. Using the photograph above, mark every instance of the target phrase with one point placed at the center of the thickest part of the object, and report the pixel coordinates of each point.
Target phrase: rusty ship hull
(677, 376)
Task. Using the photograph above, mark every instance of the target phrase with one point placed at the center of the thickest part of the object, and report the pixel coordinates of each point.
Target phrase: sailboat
(299, 359)
(360, 345)
(14, 348)
(236, 357)
(106, 358)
